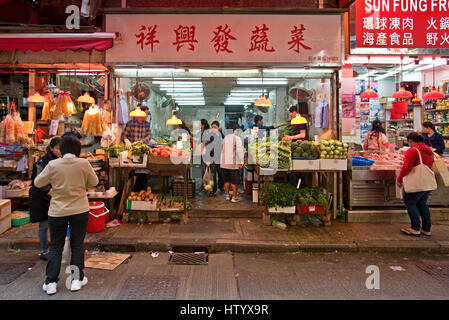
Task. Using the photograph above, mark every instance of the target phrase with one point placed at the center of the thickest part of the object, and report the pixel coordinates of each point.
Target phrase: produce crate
(282, 210)
(142, 205)
(305, 164)
(5, 215)
(13, 193)
(125, 162)
(178, 188)
(333, 164)
(311, 209)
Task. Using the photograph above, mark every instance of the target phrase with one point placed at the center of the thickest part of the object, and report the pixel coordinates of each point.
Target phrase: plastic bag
(108, 138)
(207, 180)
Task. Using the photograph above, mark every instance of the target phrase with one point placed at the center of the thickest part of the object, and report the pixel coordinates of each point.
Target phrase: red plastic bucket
(395, 116)
(400, 106)
(97, 217)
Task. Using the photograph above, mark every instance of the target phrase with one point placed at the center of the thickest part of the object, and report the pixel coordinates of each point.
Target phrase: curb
(246, 246)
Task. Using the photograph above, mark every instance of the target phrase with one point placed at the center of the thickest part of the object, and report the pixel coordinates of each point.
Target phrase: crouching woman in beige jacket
(69, 178)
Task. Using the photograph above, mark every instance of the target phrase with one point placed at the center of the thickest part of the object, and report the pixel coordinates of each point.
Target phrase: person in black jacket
(39, 199)
(433, 139)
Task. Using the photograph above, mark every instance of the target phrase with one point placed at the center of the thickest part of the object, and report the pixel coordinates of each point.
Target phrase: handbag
(420, 179)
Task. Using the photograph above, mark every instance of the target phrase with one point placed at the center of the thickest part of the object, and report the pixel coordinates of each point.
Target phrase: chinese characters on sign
(185, 35)
(148, 38)
(221, 38)
(403, 24)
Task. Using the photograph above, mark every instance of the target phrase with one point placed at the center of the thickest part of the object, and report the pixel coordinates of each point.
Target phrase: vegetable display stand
(161, 170)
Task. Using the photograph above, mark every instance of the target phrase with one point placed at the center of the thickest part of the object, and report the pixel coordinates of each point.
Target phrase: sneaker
(211, 194)
(44, 255)
(236, 199)
(49, 288)
(228, 197)
(77, 284)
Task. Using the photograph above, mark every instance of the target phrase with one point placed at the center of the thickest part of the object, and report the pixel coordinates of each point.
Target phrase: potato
(130, 198)
(149, 189)
(133, 193)
(139, 198)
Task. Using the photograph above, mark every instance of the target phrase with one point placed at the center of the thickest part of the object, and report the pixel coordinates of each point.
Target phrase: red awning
(56, 41)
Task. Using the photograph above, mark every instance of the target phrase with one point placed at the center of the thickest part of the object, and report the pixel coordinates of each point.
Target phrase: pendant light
(137, 113)
(402, 93)
(368, 93)
(36, 97)
(434, 94)
(263, 101)
(298, 119)
(173, 120)
(86, 98)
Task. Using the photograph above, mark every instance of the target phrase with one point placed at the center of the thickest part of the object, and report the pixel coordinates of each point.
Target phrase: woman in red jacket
(416, 203)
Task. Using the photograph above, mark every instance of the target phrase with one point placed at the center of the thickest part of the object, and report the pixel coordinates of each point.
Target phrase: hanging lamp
(434, 93)
(298, 119)
(402, 93)
(174, 120)
(36, 97)
(368, 93)
(263, 101)
(137, 113)
(86, 97)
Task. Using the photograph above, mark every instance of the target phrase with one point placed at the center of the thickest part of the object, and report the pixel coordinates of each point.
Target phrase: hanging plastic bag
(108, 138)
(208, 183)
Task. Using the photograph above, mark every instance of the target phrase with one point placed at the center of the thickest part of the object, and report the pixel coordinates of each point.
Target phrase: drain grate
(188, 258)
(11, 271)
(439, 272)
(149, 288)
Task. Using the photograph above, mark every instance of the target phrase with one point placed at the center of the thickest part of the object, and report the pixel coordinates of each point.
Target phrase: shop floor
(11, 271)
(149, 288)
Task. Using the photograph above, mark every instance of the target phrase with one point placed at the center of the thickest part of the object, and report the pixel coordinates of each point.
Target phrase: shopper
(375, 139)
(232, 160)
(261, 128)
(216, 126)
(69, 178)
(212, 156)
(138, 129)
(204, 128)
(298, 131)
(39, 199)
(433, 139)
(416, 202)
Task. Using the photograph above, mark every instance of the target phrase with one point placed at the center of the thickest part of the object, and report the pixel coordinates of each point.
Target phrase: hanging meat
(93, 124)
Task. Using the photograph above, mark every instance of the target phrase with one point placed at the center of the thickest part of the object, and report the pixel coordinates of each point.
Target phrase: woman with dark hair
(204, 128)
(416, 202)
(433, 139)
(376, 140)
(69, 177)
(39, 199)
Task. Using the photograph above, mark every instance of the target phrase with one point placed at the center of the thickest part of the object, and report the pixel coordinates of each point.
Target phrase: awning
(56, 41)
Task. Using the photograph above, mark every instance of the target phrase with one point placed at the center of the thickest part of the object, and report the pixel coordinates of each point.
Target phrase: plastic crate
(178, 188)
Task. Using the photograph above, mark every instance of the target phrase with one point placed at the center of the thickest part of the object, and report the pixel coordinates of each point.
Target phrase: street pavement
(253, 276)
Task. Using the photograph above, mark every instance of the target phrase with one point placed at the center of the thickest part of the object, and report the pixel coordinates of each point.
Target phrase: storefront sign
(402, 23)
(237, 38)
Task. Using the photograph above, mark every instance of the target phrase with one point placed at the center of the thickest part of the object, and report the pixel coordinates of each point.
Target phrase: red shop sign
(403, 23)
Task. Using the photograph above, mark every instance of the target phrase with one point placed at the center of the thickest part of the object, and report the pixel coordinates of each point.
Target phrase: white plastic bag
(207, 180)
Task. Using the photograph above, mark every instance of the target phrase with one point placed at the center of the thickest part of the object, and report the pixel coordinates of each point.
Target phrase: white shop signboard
(226, 38)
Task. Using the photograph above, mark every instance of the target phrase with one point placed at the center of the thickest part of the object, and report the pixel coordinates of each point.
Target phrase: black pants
(58, 231)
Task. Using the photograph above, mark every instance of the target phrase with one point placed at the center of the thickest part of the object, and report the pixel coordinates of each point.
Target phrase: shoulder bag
(420, 179)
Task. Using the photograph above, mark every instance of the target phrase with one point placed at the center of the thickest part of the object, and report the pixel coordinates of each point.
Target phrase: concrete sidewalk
(243, 235)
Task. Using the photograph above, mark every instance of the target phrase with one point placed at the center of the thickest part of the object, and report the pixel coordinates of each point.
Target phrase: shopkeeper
(299, 131)
(376, 140)
(260, 127)
(433, 139)
(138, 129)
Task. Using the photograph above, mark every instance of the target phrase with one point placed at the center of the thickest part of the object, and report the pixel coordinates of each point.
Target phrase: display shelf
(399, 120)
(441, 123)
(436, 110)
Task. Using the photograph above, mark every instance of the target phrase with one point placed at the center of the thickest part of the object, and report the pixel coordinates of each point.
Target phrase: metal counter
(377, 188)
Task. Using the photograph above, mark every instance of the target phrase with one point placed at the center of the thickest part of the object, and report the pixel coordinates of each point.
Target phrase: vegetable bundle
(305, 149)
(138, 149)
(266, 152)
(286, 195)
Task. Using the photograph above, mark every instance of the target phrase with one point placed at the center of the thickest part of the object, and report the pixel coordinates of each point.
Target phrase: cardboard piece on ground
(105, 261)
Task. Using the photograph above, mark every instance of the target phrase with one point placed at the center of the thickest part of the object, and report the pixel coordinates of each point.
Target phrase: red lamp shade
(434, 94)
(402, 94)
(369, 94)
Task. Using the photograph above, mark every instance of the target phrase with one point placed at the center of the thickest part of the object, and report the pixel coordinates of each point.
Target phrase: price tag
(312, 208)
(53, 127)
(179, 144)
(184, 137)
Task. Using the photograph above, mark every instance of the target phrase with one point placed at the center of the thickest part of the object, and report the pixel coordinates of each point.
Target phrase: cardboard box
(125, 162)
(5, 223)
(5, 208)
(280, 210)
(142, 205)
(306, 164)
(333, 164)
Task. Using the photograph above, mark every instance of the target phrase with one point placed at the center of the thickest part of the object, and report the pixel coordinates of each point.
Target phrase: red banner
(402, 23)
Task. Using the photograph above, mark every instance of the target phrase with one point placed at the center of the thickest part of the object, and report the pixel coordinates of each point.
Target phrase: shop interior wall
(195, 113)
(441, 76)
